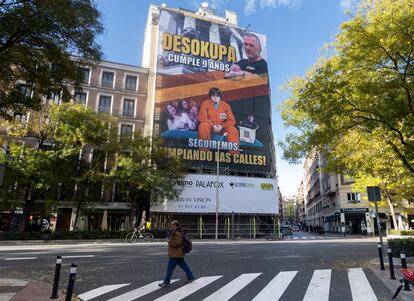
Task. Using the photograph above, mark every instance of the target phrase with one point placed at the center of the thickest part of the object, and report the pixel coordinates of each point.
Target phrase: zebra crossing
(312, 237)
(318, 289)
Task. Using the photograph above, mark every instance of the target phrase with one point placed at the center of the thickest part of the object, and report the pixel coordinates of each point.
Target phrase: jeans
(172, 263)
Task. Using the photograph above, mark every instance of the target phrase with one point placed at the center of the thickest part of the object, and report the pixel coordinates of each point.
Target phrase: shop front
(355, 219)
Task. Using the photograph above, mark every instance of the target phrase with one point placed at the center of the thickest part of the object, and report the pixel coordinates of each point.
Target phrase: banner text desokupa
(212, 94)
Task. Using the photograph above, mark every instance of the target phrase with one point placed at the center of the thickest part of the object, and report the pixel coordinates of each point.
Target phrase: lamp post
(217, 183)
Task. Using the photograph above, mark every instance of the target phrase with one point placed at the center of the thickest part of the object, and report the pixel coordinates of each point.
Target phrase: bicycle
(139, 234)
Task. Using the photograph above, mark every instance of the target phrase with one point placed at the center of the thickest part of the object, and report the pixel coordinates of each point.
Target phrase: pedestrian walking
(176, 255)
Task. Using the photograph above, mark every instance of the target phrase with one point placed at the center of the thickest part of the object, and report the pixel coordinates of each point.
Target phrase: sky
(296, 31)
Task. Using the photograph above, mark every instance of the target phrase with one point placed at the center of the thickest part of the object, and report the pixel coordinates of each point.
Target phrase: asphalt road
(318, 268)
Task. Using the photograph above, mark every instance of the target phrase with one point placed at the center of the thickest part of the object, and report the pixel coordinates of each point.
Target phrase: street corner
(391, 284)
(24, 290)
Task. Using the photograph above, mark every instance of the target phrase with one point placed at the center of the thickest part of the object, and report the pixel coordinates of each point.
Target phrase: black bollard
(71, 283)
(380, 257)
(404, 266)
(56, 278)
(403, 260)
(232, 225)
(392, 275)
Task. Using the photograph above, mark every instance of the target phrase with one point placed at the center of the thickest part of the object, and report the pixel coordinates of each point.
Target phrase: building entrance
(353, 222)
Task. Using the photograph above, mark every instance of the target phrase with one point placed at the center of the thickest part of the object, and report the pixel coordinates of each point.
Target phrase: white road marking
(304, 237)
(313, 237)
(12, 282)
(274, 290)
(100, 291)
(360, 287)
(21, 258)
(318, 289)
(78, 256)
(232, 288)
(6, 296)
(188, 289)
(139, 292)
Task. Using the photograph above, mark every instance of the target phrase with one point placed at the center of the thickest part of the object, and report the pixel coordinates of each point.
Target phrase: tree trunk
(391, 206)
(26, 209)
(78, 207)
(80, 202)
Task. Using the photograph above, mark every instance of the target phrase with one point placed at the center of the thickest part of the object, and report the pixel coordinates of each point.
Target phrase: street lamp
(217, 183)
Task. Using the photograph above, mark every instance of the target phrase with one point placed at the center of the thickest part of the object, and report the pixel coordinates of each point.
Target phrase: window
(131, 82)
(129, 107)
(86, 72)
(354, 197)
(80, 97)
(26, 91)
(53, 97)
(104, 104)
(107, 79)
(126, 131)
(20, 117)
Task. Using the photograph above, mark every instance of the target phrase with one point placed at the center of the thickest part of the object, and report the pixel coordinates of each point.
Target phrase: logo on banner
(240, 184)
(266, 186)
(184, 183)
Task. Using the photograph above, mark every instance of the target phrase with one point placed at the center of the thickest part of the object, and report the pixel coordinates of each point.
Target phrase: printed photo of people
(182, 116)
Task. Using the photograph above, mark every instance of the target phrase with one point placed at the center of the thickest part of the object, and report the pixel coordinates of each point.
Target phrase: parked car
(295, 229)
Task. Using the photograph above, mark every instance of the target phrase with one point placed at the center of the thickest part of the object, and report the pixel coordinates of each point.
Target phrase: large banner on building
(212, 93)
(236, 194)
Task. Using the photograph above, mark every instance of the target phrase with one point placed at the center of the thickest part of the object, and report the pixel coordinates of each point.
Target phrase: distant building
(288, 210)
(331, 203)
(300, 205)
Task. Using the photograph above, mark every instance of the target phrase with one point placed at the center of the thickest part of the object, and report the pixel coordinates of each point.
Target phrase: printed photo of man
(216, 116)
(254, 64)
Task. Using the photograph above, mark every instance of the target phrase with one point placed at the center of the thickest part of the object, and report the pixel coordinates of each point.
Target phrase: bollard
(71, 283)
(406, 285)
(403, 260)
(392, 275)
(56, 278)
(232, 225)
(380, 257)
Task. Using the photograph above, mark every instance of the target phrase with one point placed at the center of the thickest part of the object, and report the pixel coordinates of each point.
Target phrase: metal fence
(230, 227)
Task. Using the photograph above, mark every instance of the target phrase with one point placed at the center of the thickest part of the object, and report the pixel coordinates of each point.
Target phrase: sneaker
(190, 280)
(163, 284)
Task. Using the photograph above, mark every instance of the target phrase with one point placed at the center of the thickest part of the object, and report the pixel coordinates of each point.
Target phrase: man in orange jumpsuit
(216, 117)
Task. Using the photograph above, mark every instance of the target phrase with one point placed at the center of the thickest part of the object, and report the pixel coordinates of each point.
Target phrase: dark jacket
(175, 244)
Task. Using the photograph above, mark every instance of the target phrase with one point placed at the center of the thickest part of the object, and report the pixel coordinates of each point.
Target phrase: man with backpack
(178, 245)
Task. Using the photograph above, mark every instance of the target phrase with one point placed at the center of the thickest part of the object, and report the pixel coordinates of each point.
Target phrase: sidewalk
(22, 290)
(62, 241)
(384, 276)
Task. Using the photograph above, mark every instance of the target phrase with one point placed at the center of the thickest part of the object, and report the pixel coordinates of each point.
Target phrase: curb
(392, 285)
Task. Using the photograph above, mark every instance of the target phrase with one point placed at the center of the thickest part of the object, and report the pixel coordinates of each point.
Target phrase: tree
(49, 156)
(371, 163)
(365, 87)
(37, 41)
(55, 157)
(144, 167)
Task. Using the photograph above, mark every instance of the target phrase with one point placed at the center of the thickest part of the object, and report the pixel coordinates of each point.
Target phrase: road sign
(374, 193)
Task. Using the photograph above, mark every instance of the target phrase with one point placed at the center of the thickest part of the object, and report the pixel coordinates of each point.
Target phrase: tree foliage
(364, 89)
(55, 158)
(44, 153)
(37, 40)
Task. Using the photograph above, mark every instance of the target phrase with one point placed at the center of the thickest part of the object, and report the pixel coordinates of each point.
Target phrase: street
(321, 268)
